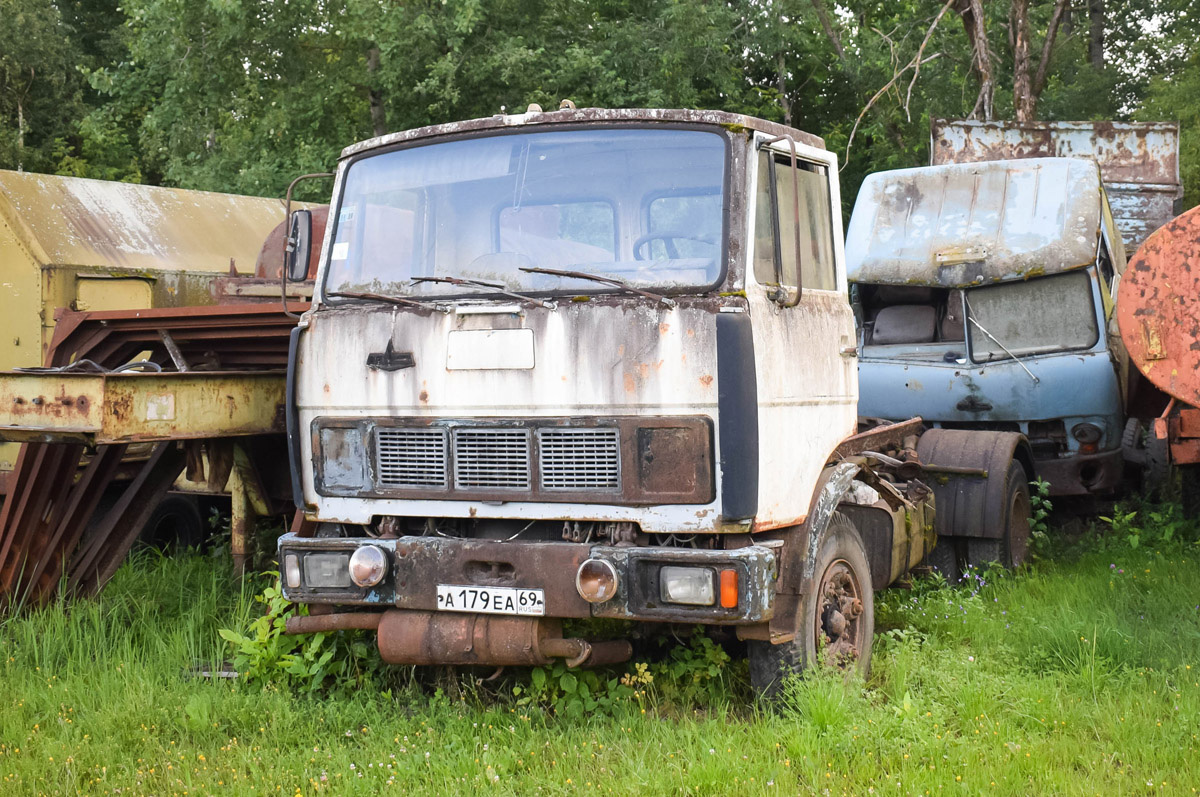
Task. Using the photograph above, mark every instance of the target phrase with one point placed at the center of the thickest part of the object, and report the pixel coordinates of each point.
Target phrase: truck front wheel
(836, 614)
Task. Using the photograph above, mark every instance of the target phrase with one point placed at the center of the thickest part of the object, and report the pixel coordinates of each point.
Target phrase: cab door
(803, 326)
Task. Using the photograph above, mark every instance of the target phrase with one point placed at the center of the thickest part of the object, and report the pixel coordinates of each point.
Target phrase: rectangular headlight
(691, 585)
(327, 570)
(343, 459)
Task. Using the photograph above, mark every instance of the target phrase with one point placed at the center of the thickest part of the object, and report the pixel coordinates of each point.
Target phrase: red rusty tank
(270, 258)
(1158, 308)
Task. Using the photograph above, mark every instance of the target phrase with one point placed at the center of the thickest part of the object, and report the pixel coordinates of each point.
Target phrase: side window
(766, 251)
(1108, 277)
(780, 188)
(1104, 262)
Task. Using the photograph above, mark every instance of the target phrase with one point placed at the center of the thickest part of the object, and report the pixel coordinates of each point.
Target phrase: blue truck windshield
(644, 206)
(1037, 316)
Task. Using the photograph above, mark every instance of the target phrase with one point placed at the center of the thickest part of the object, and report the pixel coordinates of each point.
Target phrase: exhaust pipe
(424, 638)
(318, 623)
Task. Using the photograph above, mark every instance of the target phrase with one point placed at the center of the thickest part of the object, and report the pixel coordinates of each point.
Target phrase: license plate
(491, 600)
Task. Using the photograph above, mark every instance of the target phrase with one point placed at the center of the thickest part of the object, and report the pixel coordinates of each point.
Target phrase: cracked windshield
(638, 206)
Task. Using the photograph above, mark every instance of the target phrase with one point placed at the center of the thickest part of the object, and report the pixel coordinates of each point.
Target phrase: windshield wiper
(490, 286)
(1019, 361)
(583, 275)
(379, 297)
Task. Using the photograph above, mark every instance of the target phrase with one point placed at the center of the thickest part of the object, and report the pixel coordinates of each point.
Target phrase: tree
(39, 87)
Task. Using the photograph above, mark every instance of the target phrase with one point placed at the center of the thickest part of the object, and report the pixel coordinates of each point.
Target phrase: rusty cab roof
(585, 116)
(958, 225)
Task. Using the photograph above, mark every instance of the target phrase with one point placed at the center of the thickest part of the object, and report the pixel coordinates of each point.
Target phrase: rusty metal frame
(51, 500)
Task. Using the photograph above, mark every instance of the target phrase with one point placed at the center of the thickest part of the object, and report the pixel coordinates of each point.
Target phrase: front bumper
(1082, 474)
(419, 564)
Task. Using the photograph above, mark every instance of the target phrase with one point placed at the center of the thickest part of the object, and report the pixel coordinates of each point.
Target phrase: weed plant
(1077, 675)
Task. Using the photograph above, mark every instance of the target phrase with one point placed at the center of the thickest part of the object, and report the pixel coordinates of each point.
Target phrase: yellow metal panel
(134, 407)
(20, 303)
(93, 293)
(20, 316)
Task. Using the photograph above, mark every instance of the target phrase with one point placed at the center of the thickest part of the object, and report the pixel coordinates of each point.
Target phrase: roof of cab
(593, 116)
(964, 224)
(72, 221)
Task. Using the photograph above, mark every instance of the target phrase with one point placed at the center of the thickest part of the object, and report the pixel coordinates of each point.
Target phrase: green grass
(1070, 678)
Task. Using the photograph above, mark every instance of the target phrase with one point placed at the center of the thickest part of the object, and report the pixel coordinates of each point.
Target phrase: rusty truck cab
(583, 363)
(984, 293)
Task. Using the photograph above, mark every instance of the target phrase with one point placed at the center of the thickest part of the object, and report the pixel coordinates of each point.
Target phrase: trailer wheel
(175, 525)
(1154, 458)
(1012, 549)
(836, 614)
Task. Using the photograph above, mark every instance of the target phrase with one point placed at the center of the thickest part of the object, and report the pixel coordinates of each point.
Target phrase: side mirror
(299, 246)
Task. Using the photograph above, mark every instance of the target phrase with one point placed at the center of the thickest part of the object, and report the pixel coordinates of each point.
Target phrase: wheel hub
(840, 608)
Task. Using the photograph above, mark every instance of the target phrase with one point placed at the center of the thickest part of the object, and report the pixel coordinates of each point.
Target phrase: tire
(944, 559)
(1158, 475)
(836, 615)
(175, 525)
(1012, 549)
(1133, 449)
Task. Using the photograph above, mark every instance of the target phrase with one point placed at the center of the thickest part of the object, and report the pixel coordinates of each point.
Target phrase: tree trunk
(374, 95)
(830, 31)
(1028, 90)
(1024, 101)
(971, 12)
(783, 97)
(1058, 19)
(1096, 33)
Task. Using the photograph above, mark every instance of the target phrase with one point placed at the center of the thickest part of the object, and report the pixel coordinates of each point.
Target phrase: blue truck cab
(983, 293)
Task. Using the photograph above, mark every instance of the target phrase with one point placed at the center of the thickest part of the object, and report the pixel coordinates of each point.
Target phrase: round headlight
(1086, 433)
(368, 565)
(596, 581)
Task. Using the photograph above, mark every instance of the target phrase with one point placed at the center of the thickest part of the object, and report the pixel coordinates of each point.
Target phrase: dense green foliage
(241, 95)
(1079, 675)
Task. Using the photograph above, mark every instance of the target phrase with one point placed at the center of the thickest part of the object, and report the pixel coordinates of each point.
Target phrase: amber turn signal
(729, 589)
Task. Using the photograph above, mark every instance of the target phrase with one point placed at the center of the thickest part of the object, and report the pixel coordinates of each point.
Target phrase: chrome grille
(579, 459)
(495, 459)
(411, 457)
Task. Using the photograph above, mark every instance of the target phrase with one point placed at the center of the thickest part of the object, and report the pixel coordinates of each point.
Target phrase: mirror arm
(289, 242)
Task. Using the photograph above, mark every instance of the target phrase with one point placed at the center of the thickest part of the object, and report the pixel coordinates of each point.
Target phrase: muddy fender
(991, 513)
(799, 556)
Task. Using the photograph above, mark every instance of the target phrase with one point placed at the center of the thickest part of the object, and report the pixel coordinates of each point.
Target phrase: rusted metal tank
(1158, 310)
(1139, 161)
